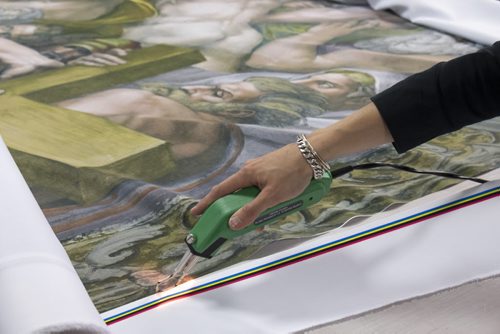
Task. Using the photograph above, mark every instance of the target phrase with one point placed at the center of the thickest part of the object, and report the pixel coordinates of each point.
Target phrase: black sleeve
(442, 99)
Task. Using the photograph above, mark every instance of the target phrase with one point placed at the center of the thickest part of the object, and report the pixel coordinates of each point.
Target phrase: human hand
(22, 60)
(20, 67)
(280, 175)
(99, 59)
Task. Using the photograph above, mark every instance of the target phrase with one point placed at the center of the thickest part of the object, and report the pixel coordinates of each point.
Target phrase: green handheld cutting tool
(212, 230)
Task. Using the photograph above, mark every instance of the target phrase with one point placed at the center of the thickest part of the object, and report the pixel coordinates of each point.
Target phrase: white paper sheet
(40, 292)
(438, 253)
(476, 20)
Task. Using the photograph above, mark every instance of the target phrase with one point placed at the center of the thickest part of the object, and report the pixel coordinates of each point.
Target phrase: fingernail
(235, 223)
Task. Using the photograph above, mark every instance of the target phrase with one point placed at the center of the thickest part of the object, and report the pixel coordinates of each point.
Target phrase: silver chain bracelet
(318, 165)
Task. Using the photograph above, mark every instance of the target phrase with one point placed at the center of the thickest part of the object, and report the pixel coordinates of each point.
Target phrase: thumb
(249, 212)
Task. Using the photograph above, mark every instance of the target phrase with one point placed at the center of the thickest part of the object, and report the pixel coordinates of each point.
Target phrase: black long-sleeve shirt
(442, 99)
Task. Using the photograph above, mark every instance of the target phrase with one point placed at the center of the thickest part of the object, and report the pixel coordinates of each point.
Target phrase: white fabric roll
(40, 291)
(476, 20)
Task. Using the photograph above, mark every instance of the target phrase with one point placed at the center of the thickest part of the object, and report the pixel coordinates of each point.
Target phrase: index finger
(228, 186)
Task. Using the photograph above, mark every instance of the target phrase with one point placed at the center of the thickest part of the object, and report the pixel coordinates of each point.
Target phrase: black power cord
(347, 169)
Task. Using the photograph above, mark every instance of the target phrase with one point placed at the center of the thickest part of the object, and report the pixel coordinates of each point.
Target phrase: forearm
(362, 130)
(428, 104)
(442, 99)
(284, 173)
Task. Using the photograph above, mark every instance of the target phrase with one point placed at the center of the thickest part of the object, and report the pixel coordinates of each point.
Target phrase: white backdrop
(40, 291)
(476, 20)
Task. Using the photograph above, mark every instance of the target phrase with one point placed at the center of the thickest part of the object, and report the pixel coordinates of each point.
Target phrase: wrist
(316, 163)
(362, 130)
(298, 164)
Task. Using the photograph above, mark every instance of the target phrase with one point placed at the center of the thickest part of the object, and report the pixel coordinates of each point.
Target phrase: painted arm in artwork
(442, 99)
(21, 60)
(317, 12)
(84, 17)
(299, 52)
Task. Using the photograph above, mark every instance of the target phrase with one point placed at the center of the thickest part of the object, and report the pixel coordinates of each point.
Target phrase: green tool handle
(212, 230)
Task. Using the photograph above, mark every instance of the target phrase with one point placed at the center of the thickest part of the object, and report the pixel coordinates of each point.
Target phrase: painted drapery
(121, 114)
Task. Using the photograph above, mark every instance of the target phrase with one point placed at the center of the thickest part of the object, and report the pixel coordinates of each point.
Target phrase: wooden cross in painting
(76, 154)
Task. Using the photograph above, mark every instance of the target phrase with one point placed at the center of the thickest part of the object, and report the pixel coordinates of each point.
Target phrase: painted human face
(335, 86)
(227, 92)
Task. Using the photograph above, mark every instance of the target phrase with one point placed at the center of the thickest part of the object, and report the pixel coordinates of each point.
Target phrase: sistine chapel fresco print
(122, 114)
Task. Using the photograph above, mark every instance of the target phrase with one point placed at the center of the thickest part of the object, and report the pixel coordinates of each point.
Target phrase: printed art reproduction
(122, 114)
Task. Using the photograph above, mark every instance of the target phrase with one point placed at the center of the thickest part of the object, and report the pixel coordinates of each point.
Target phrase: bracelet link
(318, 165)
